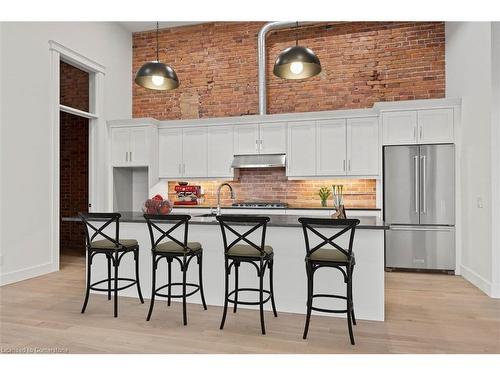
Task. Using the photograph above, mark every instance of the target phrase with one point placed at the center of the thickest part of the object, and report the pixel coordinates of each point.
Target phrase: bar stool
(114, 249)
(260, 256)
(334, 257)
(182, 251)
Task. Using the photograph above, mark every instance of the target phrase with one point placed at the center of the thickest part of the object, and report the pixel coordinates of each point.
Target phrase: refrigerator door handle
(424, 193)
(415, 164)
(421, 228)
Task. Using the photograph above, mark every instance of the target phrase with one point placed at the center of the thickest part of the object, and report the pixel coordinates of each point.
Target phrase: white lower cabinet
(301, 149)
(363, 147)
(331, 152)
(220, 151)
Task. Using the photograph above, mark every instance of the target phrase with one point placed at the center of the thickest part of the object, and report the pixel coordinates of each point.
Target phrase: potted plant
(324, 194)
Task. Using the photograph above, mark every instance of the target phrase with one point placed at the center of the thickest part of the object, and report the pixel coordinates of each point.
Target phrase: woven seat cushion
(248, 251)
(330, 254)
(173, 247)
(107, 244)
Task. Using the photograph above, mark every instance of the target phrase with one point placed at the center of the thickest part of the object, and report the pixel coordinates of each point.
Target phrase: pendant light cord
(297, 34)
(157, 44)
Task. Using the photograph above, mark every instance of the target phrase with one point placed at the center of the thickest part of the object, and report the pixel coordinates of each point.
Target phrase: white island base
(290, 283)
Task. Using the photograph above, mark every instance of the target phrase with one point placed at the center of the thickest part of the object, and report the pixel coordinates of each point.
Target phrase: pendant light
(155, 75)
(297, 62)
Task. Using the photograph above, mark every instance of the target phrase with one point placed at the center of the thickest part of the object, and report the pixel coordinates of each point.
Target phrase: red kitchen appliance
(187, 194)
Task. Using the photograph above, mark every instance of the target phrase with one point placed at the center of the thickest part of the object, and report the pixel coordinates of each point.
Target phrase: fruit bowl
(157, 206)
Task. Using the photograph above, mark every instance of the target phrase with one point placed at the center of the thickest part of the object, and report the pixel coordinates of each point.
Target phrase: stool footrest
(329, 310)
(268, 293)
(177, 295)
(132, 283)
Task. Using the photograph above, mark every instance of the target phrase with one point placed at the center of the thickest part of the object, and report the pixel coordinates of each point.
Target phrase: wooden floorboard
(424, 314)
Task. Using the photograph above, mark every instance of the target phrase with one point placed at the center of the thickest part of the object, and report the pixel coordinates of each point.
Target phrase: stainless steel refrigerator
(419, 206)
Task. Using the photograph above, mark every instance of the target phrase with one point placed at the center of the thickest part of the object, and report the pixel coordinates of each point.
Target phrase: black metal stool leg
(169, 262)
(200, 272)
(261, 298)
(271, 287)
(236, 285)
(225, 296)
(136, 256)
(115, 307)
(310, 276)
(184, 270)
(87, 292)
(349, 304)
(153, 289)
(109, 276)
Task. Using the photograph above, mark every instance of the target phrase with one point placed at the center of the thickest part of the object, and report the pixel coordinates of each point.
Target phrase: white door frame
(96, 71)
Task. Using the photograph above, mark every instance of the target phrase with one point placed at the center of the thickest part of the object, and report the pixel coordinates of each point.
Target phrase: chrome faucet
(218, 195)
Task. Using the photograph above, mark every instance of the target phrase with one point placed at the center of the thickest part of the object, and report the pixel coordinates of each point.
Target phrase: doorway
(73, 158)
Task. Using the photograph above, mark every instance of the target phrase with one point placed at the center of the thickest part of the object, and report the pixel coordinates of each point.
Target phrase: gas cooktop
(260, 204)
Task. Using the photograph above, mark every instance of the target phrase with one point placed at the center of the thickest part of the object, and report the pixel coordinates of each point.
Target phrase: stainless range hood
(259, 161)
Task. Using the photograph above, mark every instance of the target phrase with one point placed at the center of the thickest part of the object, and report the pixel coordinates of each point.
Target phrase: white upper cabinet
(331, 152)
(272, 138)
(170, 152)
(435, 126)
(301, 149)
(418, 126)
(246, 139)
(220, 151)
(194, 152)
(363, 146)
(132, 146)
(399, 128)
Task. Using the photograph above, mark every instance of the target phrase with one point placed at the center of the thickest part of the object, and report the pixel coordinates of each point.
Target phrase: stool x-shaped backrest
(178, 220)
(109, 218)
(345, 225)
(229, 221)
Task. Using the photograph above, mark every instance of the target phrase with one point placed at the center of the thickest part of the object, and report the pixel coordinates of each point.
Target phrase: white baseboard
(495, 291)
(477, 280)
(27, 273)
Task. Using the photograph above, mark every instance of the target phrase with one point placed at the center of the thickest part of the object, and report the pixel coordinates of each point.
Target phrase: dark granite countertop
(366, 222)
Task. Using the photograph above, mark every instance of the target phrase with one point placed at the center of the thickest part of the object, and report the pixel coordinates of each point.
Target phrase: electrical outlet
(480, 203)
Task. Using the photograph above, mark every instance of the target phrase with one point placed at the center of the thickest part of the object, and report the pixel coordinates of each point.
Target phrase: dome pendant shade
(297, 63)
(155, 75)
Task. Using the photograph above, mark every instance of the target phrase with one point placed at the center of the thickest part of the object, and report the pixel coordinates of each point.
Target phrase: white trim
(476, 280)
(77, 112)
(28, 273)
(412, 105)
(76, 59)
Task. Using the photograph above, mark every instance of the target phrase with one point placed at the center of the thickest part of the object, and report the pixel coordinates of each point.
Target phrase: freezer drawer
(420, 247)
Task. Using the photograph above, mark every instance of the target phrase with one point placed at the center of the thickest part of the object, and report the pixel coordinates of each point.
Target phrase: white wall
(26, 140)
(469, 76)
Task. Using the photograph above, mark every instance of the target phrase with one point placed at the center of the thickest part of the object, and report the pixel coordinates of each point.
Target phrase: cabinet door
(220, 151)
(363, 147)
(246, 139)
(435, 126)
(170, 152)
(272, 138)
(194, 152)
(120, 146)
(139, 146)
(331, 147)
(399, 128)
(301, 148)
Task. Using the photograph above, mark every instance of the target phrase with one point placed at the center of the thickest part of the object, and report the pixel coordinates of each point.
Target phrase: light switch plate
(480, 203)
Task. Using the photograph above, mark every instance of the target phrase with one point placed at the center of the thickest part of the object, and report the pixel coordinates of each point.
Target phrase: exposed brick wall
(271, 184)
(74, 133)
(363, 62)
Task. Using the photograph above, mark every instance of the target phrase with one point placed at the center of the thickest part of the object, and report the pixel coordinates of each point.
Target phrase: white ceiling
(151, 25)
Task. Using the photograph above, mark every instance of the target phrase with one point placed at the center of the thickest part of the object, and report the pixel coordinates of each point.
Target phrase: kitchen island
(284, 234)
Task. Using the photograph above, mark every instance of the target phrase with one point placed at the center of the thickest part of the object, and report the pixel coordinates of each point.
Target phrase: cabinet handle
(261, 141)
(130, 156)
(349, 164)
(415, 132)
(256, 145)
(421, 132)
(126, 156)
(344, 165)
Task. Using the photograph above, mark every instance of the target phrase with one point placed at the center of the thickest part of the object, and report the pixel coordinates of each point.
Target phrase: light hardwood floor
(424, 314)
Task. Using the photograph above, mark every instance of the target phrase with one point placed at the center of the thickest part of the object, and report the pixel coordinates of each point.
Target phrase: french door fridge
(419, 206)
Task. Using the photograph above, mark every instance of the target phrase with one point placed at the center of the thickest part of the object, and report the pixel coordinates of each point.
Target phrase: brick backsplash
(363, 62)
(271, 184)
